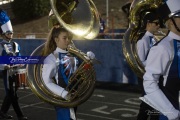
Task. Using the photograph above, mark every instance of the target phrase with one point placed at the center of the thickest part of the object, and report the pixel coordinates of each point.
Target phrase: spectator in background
(102, 28)
(126, 7)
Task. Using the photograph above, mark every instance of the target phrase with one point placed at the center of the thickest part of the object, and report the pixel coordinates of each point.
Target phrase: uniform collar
(5, 41)
(148, 34)
(174, 36)
(60, 50)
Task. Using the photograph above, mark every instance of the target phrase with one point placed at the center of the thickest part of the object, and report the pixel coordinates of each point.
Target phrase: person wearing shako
(58, 67)
(9, 48)
(162, 71)
(150, 25)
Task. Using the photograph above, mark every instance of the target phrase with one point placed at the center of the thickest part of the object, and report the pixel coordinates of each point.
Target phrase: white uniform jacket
(144, 45)
(50, 70)
(158, 64)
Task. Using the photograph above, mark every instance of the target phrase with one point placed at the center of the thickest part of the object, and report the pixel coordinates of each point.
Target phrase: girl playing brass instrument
(58, 66)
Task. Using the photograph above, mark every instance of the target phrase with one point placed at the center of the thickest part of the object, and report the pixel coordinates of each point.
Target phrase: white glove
(174, 115)
(90, 54)
(67, 97)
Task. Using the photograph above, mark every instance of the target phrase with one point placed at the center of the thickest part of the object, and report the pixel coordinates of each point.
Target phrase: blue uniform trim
(178, 54)
(162, 117)
(63, 113)
(62, 69)
(65, 67)
(151, 43)
(150, 46)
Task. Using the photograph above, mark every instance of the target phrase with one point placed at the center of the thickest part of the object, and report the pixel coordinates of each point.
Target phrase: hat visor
(8, 32)
(175, 14)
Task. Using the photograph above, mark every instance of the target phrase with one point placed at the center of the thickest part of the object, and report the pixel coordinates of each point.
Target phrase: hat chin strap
(175, 25)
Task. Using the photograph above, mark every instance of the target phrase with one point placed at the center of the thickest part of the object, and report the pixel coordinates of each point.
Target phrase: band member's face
(8, 36)
(154, 26)
(63, 40)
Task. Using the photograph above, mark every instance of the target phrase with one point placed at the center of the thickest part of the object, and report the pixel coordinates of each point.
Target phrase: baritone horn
(81, 18)
(137, 11)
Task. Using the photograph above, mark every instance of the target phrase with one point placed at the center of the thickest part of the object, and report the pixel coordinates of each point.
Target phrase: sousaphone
(81, 18)
(137, 10)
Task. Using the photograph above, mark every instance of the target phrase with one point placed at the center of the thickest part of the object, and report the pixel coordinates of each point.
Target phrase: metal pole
(107, 13)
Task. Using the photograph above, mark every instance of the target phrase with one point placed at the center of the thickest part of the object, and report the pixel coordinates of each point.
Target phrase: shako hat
(5, 23)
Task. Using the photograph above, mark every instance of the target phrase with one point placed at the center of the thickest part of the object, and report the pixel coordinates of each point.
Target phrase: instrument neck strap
(175, 25)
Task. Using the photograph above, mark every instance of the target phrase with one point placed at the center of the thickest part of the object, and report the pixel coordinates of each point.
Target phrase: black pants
(145, 110)
(11, 98)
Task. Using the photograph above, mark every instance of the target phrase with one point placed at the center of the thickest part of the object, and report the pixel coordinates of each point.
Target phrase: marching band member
(9, 48)
(150, 25)
(58, 66)
(162, 78)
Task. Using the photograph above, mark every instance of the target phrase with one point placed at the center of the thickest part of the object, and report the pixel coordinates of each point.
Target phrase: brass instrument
(137, 10)
(80, 18)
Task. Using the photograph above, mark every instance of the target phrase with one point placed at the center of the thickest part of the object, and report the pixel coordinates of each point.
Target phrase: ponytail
(50, 44)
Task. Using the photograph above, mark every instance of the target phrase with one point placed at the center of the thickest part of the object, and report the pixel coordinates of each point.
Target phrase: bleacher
(112, 34)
